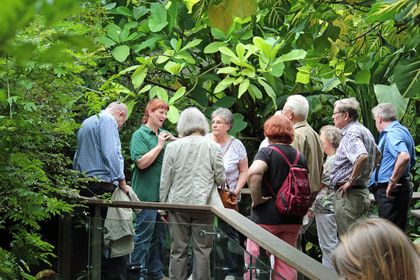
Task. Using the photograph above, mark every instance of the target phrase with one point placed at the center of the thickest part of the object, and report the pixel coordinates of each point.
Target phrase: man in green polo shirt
(147, 148)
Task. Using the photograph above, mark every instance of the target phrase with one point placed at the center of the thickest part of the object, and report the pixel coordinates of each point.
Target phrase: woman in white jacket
(192, 168)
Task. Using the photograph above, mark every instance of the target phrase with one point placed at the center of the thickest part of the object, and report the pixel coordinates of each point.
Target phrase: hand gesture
(163, 137)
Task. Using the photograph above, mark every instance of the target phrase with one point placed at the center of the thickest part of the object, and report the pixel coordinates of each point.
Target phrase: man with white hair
(390, 182)
(306, 141)
(98, 153)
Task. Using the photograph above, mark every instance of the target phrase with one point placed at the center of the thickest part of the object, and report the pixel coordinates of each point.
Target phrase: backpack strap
(281, 153)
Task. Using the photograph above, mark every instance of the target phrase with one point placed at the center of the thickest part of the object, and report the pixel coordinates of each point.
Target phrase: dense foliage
(63, 60)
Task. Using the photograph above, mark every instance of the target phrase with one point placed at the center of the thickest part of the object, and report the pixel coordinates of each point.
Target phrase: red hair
(153, 105)
(279, 129)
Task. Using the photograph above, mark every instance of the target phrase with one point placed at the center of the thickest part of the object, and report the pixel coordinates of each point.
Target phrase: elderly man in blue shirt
(98, 153)
(390, 181)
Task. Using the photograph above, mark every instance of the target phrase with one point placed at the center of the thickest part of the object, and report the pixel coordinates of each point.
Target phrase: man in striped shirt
(354, 161)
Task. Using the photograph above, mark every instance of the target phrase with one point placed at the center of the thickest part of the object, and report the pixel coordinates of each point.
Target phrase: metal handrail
(272, 244)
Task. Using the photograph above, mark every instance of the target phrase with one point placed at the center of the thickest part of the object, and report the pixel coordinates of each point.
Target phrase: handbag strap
(225, 185)
(228, 146)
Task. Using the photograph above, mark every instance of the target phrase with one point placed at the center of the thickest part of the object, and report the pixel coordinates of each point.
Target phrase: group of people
(189, 169)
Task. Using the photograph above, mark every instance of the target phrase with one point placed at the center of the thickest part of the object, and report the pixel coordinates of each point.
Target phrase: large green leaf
(384, 10)
(391, 94)
(121, 53)
(241, 8)
(113, 32)
(269, 90)
(254, 91)
(363, 77)
(243, 87)
(329, 84)
(407, 77)
(225, 102)
(219, 17)
(173, 67)
(214, 47)
(138, 76)
(158, 18)
(293, 55)
(159, 93)
(178, 94)
(173, 114)
(238, 124)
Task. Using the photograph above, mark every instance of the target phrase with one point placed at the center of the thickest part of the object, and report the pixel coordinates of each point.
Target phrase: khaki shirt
(307, 142)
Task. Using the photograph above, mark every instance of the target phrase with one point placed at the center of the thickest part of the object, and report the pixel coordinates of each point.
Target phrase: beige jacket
(307, 142)
(119, 231)
(192, 169)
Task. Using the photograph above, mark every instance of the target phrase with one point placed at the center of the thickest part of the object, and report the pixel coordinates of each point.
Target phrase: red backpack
(294, 195)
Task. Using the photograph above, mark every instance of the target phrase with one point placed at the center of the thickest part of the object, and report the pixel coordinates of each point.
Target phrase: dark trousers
(395, 210)
(112, 268)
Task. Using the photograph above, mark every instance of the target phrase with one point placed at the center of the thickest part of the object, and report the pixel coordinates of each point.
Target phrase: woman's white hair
(298, 105)
(190, 121)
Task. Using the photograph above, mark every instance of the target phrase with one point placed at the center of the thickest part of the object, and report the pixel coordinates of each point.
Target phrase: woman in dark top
(269, 168)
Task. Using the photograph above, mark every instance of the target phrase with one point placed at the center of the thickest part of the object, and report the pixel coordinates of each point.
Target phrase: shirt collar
(347, 127)
(388, 128)
(149, 130)
(104, 112)
(300, 124)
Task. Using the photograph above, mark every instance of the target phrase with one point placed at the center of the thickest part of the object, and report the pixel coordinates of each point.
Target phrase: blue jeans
(148, 244)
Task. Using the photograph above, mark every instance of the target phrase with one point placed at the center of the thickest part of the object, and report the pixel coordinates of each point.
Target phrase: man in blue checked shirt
(98, 153)
(99, 156)
(390, 181)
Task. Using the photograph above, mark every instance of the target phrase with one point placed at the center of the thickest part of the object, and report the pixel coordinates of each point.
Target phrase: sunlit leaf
(243, 87)
(214, 47)
(173, 114)
(178, 94)
(391, 94)
(293, 55)
(158, 18)
(121, 53)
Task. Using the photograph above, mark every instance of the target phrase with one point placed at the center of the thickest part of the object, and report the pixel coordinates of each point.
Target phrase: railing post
(96, 241)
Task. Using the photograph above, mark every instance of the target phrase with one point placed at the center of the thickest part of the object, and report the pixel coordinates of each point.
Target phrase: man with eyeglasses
(354, 161)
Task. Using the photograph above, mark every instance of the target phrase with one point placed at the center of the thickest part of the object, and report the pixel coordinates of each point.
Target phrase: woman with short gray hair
(192, 169)
(235, 161)
(322, 207)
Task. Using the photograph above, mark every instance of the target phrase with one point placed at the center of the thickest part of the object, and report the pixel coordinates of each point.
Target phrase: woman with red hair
(147, 148)
(266, 175)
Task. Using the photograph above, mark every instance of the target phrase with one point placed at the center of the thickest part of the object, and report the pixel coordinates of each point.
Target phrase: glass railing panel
(232, 261)
(84, 254)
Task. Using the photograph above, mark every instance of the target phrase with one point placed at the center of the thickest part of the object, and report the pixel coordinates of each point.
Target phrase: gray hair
(332, 134)
(116, 107)
(386, 111)
(298, 105)
(190, 121)
(350, 106)
(225, 114)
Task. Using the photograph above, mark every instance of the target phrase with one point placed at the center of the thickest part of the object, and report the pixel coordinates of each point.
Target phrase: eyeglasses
(217, 122)
(335, 113)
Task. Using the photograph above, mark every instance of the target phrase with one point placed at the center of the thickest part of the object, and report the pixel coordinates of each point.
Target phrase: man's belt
(355, 187)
